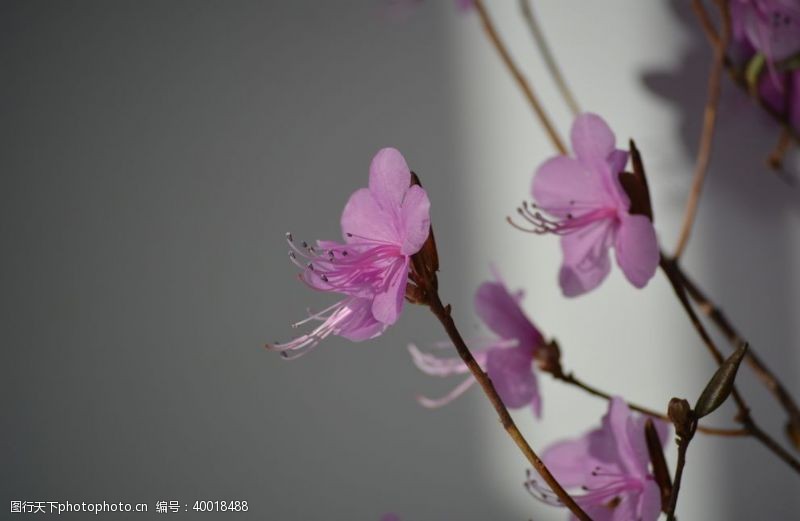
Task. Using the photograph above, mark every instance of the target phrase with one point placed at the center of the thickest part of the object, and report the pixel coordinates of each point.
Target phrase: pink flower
(591, 211)
(772, 27)
(383, 226)
(611, 465)
(507, 359)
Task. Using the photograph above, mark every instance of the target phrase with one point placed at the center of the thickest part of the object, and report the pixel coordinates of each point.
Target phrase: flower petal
(501, 312)
(637, 249)
(364, 218)
(629, 438)
(511, 371)
(564, 186)
(386, 306)
(570, 461)
(649, 507)
(592, 139)
(586, 262)
(389, 178)
(415, 216)
(625, 510)
(362, 326)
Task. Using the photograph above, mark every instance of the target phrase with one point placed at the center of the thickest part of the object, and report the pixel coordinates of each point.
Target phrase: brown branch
(443, 314)
(670, 269)
(547, 55)
(570, 379)
(707, 136)
(767, 377)
(683, 446)
(775, 159)
(523, 83)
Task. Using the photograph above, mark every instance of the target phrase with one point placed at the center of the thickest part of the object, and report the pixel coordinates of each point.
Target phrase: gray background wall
(153, 154)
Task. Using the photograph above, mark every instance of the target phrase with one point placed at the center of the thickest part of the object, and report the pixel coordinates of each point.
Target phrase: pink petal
(775, 41)
(386, 306)
(501, 312)
(586, 262)
(364, 218)
(363, 325)
(617, 161)
(592, 139)
(389, 178)
(570, 461)
(626, 509)
(511, 372)
(629, 443)
(649, 507)
(416, 220)
(637, 249)
(564, 186)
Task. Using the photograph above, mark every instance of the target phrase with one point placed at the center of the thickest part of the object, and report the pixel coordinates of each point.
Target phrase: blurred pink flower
(590, 211)
(772, 27)
(611, 465)
(507, 359)
(383, 225)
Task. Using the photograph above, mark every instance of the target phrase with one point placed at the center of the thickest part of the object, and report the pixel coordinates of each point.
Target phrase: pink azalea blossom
(611, 465)
(383, 226)
(590, 210)
(507, 359)
(772, 27)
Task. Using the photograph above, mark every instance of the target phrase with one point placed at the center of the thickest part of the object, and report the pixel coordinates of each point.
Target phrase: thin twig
(523, 83)
(547, 55)
(443, 314)
(683, 446)
(767, 377)
(570, 379)
(775, 159)
(707, 136)
(669, 267)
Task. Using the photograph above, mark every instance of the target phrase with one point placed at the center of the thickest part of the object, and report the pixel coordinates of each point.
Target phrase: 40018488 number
(220, 506)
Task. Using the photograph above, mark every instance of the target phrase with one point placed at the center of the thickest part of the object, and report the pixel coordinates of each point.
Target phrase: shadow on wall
(744, 252)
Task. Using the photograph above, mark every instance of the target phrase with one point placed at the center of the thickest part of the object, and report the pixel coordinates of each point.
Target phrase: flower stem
(523, 83)
(547, 55)
(683, 446)
(707, 136)
(570, 379)
(443, 314)
(669, 267)
(767, 377)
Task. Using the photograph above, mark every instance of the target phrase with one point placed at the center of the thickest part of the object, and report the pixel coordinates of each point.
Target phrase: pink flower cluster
(771, 28)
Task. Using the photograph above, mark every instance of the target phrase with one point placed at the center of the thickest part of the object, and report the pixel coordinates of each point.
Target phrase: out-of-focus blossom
(764, 33)
(383, 226)
(611, 465)
(507, 359)
(772, 27)
(590, 210)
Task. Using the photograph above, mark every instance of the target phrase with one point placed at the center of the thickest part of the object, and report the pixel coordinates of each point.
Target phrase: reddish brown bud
(635, 185)
(682, 417)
